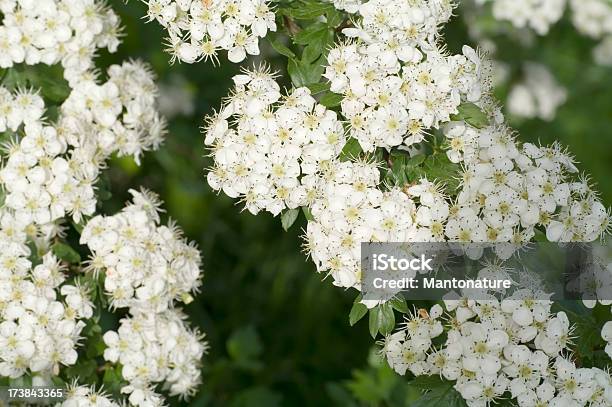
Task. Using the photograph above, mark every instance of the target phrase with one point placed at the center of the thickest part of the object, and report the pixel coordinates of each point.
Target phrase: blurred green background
(279, 335)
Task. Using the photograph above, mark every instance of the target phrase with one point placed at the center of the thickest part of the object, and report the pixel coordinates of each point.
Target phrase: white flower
(198, 29)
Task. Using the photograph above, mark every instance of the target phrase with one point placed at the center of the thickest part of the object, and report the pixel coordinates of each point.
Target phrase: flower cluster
(592, 18)
(491, 347)
(395, 81)
(83, 396)
(40, 314)
(508, 189)
(156, 348)
(51, 171)
(539, 15)
(198, 29)
(350, 209)
(538, 95)
(50, 32)
(396, 87)
(388, 106)
(350, 6)
(147, 268)
(270, 156)
(52, 165)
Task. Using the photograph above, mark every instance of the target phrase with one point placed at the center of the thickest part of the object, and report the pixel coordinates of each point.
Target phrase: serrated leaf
(331, 99)
(64, 252)
(358, 311)
(307, 10)
(312, 33)
(289, 217)
(351, 150)
(471, 114)
(304, 74)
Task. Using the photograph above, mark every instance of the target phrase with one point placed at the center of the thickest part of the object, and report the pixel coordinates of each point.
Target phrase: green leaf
(257, 396)
(331, 99)
(313, 33)
(244, 346)
(64, 252)
(289, 217)
(280, 47)
(334, 17)
(382, 319)
(307, 213)
(307, 10)
(437, 166)
(440, 393)
(399, 304)
(304, 74)
(358, 311)
(351, 150)
(316, 88)
(472, 115)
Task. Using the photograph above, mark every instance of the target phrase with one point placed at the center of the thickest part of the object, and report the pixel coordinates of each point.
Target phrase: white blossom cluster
(83, 396)
(516, 346)
(395, 80)
(537, 95)
(198, 29)
(64, 31)
(52, 169)
(539, 15)
(508, 189)
(350, 6)
(156, 348)
(592, 18)
(147, 266)
(41, 316)
(350, 209)
(267, 147)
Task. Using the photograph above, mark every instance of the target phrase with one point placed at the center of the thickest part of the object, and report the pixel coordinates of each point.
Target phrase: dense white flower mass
(492, 347)
(52, 161)
(268, 147)
(40, 315)
(536, 14)
(395, 80)
(396, 86)
(51, 171)
(537, 95)
(198, 29)
(146, 266)
(156, 348)
(65, 31)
